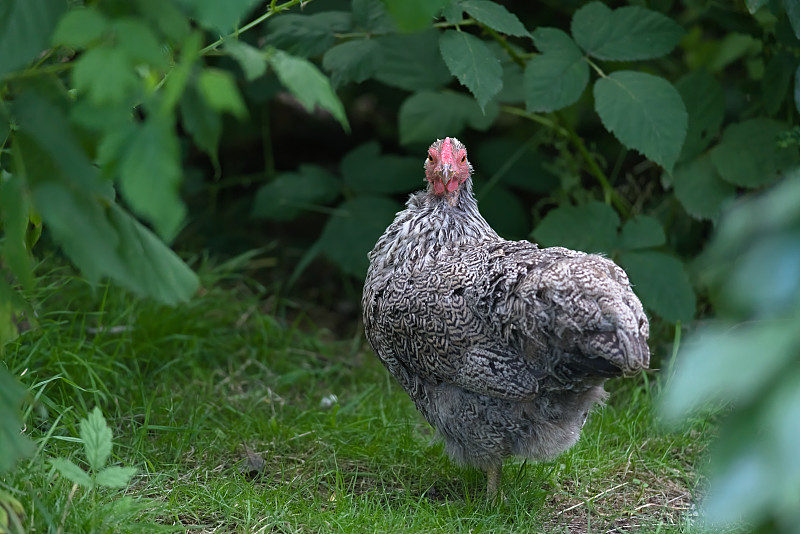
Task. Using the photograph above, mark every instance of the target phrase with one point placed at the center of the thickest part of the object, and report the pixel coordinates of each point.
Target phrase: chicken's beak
(447, 173)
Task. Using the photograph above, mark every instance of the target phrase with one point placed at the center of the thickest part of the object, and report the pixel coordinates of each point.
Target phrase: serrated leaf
(557, 77)
(401, 66)
(494, 16)
(748, 154)
(590, 228)
(115, 476)
(79, 27)
(353, 230)
(289, 193)
(366, 170)
(250, 59)
(96, 437)
(426, 116)
(72, 472)
(150, 175)
(705, 106)
(25, 28)
(473, 64)
(699, 189)
(306, 35)
(221, 17)
(220, 92)
(13, 444)
(661, 282)
(644, 112)
(413, 15)
(353, 61)
(14, 208)
(305, 81)
(202, 122)
(642, 231)
(624, 34)
(105, 74)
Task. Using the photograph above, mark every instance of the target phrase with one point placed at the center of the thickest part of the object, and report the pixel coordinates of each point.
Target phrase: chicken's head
(447, 166)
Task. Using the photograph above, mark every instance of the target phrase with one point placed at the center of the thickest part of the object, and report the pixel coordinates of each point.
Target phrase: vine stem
(565, 129)
(273, 10)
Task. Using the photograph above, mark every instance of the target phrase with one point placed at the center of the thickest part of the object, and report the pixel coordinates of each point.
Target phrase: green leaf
(96, 437)
(252, 60)
(14, 209)
(25, 28)
(221, 17)
(590, 228)
(699, 189)
(72, 472)
(710, 365)
(775, 83)
(662, 284)
(705, 106)
(557, 77)
(642, 231)
(13, 444)
(427, 116)
(504, 210)
(401, 66)
(371, 15)
(305, 81)
(514, 163)
(115, 476)
(624, 34)
(79, 27)
(139, 43)
(754, 5)
(284, 197)
(202, 122)
(150, 175)
(105, 74)
(644, 112)
(306, 35)
(219, 90)
(494, 16)
(748, 154)
(77, 207)
(353, 61)
(367, 171)
(473, 64)
(167, 17)
(353, 230)
(413, 15)
(792, 8)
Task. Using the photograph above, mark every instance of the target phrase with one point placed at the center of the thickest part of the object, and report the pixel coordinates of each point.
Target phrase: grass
(227, 412)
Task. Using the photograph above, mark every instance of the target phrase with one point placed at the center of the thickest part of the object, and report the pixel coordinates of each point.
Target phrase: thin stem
(535, 117)
(507, 47)
(273, 10)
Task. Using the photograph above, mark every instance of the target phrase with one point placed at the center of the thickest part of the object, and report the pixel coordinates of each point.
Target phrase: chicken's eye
(430, 158)
(463, 158)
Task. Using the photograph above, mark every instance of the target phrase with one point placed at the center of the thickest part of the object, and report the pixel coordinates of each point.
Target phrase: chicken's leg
(493, 474)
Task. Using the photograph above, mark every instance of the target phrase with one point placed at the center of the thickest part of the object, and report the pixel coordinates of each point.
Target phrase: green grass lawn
(227, 413)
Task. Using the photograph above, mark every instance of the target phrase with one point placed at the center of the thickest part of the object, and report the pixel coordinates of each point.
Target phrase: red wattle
(438, 187)
(452, 185)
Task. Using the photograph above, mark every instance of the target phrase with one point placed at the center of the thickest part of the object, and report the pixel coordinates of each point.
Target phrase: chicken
(503, 346)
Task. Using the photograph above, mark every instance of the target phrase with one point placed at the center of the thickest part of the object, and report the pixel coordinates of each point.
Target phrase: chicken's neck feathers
(432, 224)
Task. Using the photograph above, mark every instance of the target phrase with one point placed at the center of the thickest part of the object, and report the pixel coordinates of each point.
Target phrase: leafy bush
(105, 107)
(748, 358)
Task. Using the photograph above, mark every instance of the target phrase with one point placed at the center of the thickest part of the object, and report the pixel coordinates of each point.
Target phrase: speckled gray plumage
(503, 346)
